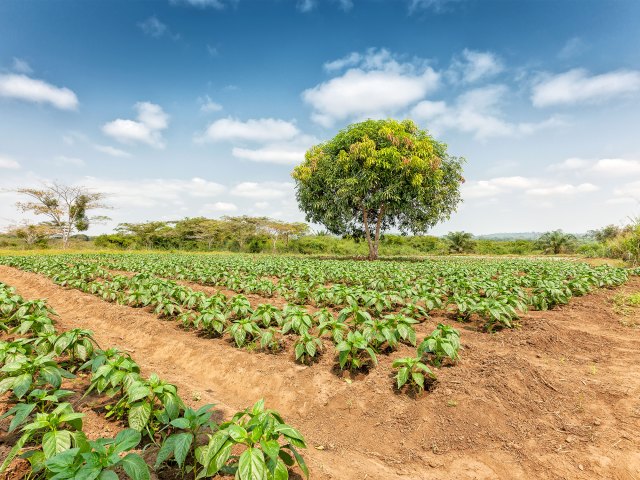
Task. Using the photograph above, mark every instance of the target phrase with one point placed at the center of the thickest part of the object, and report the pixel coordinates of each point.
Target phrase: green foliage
(557, 242)
(268, 447)
(444, 342)
(375, 175)
(460, 242)
(307, 347)
(355, 353)
(413, 372)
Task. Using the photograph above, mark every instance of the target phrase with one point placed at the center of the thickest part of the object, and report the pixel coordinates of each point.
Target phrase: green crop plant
(243, 331)
(100, 459)
(24, 373)
(56, 431)
(307, 347)
(268, 447)
(268, 315)
(444, 342)
(355, 352)
(180, 444)
(413, 372)
(296, 319)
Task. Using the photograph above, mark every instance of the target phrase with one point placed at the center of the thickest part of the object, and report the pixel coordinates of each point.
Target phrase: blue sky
(202, 107)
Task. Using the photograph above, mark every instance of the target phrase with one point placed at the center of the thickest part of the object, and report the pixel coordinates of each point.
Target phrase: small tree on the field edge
(376, 175)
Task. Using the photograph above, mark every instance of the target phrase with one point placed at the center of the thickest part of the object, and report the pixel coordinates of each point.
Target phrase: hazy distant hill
(511, 236)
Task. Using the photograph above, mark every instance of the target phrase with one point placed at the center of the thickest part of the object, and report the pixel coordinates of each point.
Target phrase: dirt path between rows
(558, 398)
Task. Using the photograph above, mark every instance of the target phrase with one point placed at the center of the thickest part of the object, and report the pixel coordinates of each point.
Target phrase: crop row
(358, 336)
(497, 292)
(35, 360)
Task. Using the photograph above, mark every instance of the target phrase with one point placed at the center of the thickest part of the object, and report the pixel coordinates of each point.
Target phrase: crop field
(442, 368)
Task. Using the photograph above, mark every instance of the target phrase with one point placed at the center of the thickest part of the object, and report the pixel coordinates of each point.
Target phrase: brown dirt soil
(558, 398)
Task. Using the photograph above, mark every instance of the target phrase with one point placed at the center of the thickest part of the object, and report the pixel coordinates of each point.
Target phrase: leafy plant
(307, 347)
(412, 371)
(354, 352)
(259, 432)
(444, 342)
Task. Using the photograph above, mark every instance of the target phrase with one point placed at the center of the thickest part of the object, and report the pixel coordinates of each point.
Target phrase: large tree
(65, 206)
(376, 175)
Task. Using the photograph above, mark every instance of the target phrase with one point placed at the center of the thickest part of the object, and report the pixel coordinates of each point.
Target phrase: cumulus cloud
(563, 190)
(220, 207)
(22, 87)
(477, 111)
(282, 153)
(376, 84)
(8, 163)
(578, 86)
(147, 129)
(153, 192)
(252, 130)
(537, 187)
(609, 167)
(472, 66)
(263, 190)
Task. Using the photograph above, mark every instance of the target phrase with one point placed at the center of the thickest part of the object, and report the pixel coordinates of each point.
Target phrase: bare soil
(557, 398)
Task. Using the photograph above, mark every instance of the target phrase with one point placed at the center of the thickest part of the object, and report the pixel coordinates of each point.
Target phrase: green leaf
(135, 467)
(251, 465)
(181, 423)
(166, 450)
(291, 434)
(21, 385)
(271, 448)
(182, 445)
(56, 442)
(108, 475)
(139, 416)
(127, 439)
(403, 376)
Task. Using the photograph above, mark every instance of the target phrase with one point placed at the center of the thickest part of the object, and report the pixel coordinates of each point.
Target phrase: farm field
(544, 383)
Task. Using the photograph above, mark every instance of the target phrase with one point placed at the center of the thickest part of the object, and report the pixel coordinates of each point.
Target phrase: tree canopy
(65, 206)
(376, 175)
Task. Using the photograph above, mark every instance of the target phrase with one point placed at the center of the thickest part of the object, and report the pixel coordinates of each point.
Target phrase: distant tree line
(240, 234)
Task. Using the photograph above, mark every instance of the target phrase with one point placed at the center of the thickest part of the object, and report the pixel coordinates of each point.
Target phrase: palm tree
(556, 242)
(459, 242)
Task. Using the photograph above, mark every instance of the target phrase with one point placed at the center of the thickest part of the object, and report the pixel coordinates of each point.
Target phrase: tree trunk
(367, 233)
(376, 242)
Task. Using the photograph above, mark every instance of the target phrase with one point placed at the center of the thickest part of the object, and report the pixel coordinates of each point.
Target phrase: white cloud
(479, 112)
(569, 164)
(73, 161)
(263, 190)
(472, 66)
(114, 152)
(437, 6)
(616, 167)
(8, 163)
(610, 167)
(21, 66)
(305, 5)
(537, 187)
(378, 84)
(283, 153)
(261, 205)
(578, 86)
(217, 4)
(147, 129)
(253, 130)
(22, 87)
(153, 27)
(153, 192)
(220, 207)
(563, 190)
(208, 106)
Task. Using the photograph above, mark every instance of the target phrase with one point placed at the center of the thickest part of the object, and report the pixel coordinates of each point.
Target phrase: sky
(183, 108)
